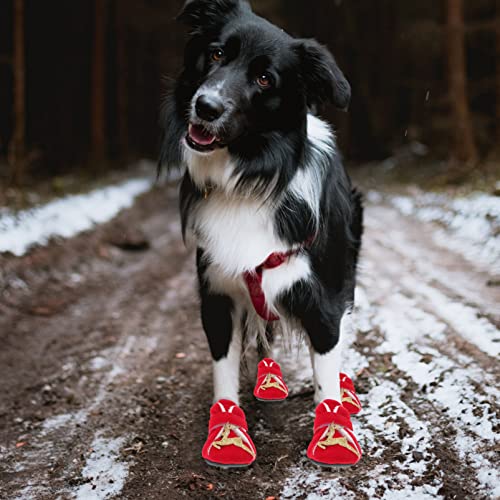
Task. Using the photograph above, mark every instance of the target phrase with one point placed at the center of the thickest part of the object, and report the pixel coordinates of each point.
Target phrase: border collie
(265, 197)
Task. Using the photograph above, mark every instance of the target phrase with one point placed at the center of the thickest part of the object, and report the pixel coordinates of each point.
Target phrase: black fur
(266, 136)
(322, 78)
(215, 313)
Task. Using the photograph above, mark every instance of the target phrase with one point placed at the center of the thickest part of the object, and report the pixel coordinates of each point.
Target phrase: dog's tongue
(200, 135)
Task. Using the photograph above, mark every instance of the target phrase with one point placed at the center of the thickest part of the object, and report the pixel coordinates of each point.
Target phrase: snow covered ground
(469, 225)
(66, 217)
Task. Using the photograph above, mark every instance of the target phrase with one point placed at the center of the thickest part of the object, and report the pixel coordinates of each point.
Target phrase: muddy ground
(105, 379)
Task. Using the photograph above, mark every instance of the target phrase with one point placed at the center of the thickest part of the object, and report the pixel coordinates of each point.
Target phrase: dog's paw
(228, 443)
(350, 400)
(333, 442)
(270, 385)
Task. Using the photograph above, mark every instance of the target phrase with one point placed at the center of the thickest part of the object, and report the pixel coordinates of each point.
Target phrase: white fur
(307, 182)
(320, 134)
(226, 371)
(239, 235)
(210, 169)
(276, 281)
(237, 232)
(326, 375)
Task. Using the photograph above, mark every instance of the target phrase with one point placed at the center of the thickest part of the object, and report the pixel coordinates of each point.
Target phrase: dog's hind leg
(264, 346)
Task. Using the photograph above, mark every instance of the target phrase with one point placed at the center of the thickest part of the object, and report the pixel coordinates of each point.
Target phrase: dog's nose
(209, 108)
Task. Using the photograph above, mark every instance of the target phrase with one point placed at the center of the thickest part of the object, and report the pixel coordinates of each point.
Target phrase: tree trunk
(98, 90)
(464, 149)
(121, 78)
(17, 150)
(498, 74)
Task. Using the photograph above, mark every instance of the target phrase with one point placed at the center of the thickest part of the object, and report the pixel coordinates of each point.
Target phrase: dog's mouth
(200, 139)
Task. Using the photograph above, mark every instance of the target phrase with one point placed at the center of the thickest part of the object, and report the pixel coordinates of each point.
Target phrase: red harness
(253, 280)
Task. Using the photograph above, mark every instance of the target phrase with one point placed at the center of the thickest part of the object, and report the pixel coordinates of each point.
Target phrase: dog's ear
(201, 15)
(323, 80)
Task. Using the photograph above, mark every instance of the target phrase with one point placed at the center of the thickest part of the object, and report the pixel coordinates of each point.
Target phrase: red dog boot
(333, 442)
(350, 400)
(228, 443)
(270, 385)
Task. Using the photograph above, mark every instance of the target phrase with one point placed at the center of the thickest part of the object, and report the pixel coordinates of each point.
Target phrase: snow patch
(472, 221)
(58, 421)
(67, 216)
(412, 493)
(301, 482)
(408, 332)
(104, 470)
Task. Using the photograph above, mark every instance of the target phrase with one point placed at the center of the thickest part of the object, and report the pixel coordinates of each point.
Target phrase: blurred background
(81, 82)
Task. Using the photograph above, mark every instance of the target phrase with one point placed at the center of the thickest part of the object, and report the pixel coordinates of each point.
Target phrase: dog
(272, 212)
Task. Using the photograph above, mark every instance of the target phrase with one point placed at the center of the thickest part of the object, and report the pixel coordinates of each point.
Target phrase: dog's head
(245, 77)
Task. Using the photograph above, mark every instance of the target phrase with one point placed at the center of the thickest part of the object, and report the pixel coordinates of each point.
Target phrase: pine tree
(98, 81)
(17, 150)
(464, 147)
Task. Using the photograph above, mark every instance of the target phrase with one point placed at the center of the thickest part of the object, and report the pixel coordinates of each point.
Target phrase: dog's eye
(217, 54)
(264, 81)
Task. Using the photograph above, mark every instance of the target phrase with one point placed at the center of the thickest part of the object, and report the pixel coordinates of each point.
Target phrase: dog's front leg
(321, 318)
(333, 442)
(229, 443)
(222, 327)
(224, 338)
(326, 356)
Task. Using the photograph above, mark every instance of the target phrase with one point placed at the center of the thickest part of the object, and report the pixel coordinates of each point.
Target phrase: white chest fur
(236, 232)
(238, 235)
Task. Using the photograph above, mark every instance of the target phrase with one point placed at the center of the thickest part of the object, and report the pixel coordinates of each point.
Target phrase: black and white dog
(276, 222)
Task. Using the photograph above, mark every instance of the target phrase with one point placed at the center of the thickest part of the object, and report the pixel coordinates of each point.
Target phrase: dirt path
(105, 382)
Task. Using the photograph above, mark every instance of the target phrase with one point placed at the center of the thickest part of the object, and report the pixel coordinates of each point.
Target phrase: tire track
(432, 288)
